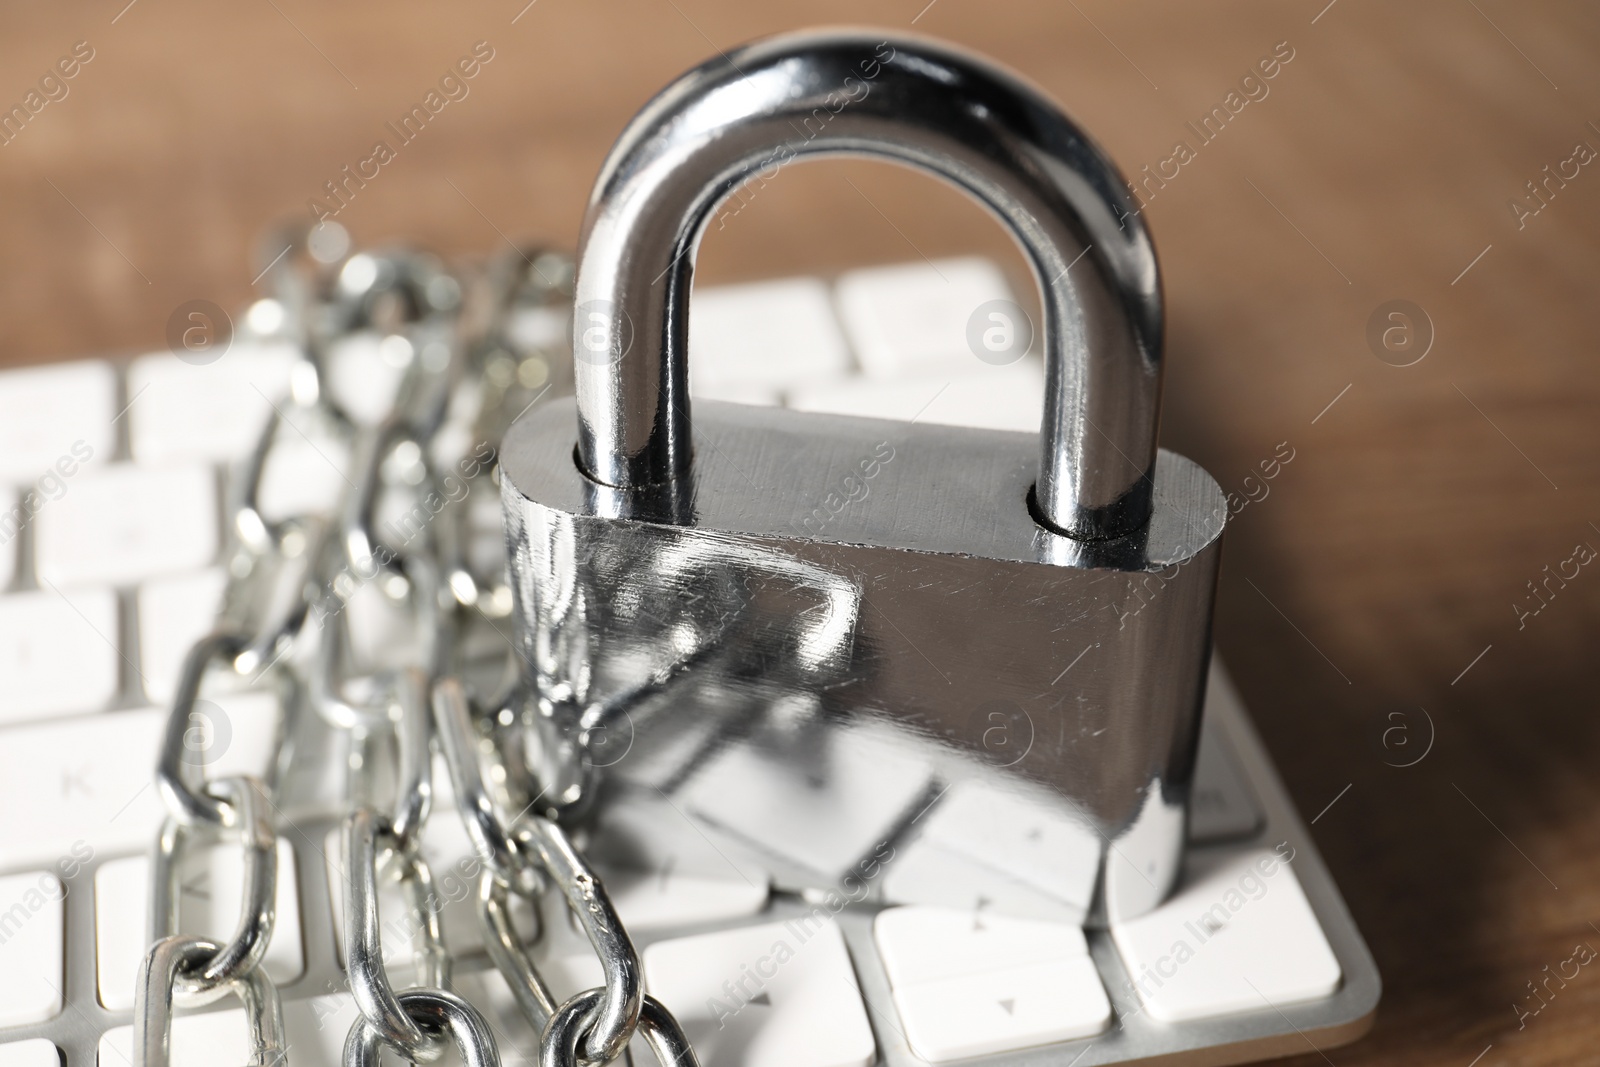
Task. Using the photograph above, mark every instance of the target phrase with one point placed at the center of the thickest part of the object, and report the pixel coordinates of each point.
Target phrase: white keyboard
(112, 476)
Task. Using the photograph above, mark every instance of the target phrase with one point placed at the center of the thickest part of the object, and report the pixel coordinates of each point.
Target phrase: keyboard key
(219, 1037)
(12, 518)
(174, 613)
(777, 995)
(565, 974)
(46, 411)
(993, 398)
(455, 868)
(383, 631)
(922, 872)
(919, 944)
(92, 779)
(32, 943)
(1003, 1011)
(1238, 936)
(210, 886)
(1221, 808)
(825, 827)
(765, 334)
(971, 983)
(304, 475)
(1041, 847)
(124, 524)
(215, 411)
(35, 1053)
(314, 1033)
(364, 373)
(569, 975)
(57, 652)
(664, 899)
(911, 319)
(654, 835)
(518, 1040)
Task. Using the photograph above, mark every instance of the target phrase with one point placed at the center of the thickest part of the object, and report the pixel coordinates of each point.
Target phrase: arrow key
(1003, 1011)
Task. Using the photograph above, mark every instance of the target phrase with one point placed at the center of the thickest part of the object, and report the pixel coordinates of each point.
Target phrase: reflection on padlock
(982, 680)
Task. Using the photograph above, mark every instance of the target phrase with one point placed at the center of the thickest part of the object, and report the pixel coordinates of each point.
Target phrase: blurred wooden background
(1377, 578)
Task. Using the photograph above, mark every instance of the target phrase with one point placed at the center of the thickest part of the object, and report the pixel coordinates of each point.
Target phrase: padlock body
(847, 656)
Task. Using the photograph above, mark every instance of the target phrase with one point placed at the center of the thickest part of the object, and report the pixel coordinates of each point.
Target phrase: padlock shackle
(929, 106)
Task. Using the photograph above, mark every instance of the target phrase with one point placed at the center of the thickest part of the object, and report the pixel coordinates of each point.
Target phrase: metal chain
(519, 854)
(286, 573)
(265, 605)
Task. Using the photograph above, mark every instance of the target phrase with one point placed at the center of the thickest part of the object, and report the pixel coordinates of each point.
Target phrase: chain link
(560, 1043)
(439, 1012)
(520, 854)
(286, 574)
(156, 987)
(257, 909)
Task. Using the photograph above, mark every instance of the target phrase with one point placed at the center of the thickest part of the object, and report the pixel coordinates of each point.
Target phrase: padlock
(979, 683)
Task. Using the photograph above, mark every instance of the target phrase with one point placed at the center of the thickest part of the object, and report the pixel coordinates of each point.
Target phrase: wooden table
(1373, 590)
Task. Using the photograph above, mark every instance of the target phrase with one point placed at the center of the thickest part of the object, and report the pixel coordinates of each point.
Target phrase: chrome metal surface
(617, 1012)
(363, 947)
(504, 946)
(522, 857)
(929, 106)
(250, 821)
(808, 704)
(509, 859)
(440, 1013)
(566, 1030)
(177, 769)
(414, 755)
(764, 663)
(161, 972)
(154, 995)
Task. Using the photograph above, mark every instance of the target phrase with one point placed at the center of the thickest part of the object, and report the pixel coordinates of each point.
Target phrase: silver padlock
(979, 682)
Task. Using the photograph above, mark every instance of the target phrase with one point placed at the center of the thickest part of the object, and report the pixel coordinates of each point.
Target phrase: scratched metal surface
(914, 620)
